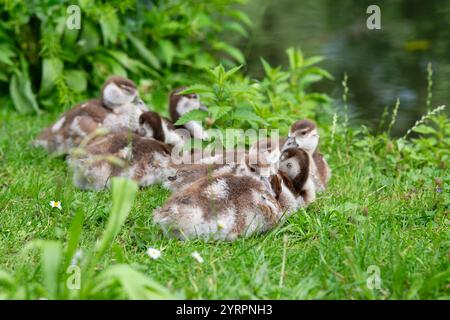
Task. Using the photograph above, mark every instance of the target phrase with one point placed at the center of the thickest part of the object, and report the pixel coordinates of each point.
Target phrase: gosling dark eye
(252, 169)
(173, 178)
(289, 165)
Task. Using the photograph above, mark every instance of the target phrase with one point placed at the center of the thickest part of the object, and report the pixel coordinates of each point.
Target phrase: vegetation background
(388, 202)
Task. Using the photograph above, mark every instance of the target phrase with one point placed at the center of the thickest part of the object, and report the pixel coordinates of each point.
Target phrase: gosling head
(179, 104)
(263, 160)
(295, 162)
(118, 91)
(303, 134)
(152, 125)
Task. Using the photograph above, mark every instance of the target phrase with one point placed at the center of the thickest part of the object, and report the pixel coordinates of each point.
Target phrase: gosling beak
(290, 143)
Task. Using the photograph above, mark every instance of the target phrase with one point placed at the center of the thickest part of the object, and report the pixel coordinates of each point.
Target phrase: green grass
(374, 213)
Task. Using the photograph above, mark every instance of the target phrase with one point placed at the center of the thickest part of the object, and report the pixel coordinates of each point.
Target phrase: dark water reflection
(381, 64)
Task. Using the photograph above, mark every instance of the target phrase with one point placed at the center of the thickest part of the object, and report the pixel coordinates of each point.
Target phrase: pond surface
(381, 64)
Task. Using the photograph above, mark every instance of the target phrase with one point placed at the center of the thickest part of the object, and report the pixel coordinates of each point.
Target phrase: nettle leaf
(266, 66)
(296, 59)
(310, 78)
(52, 69)
(218, 112)
(194, 115)
(232, 71)
(320, 97)
(196, 88)
(232, 51)
(423, 129)
(313, 60)
(245, 114)
(318, 71)
(144, 52)
(242, 16)
(237, 27)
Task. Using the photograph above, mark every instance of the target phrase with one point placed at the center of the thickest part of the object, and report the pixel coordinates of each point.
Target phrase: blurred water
(381, 64)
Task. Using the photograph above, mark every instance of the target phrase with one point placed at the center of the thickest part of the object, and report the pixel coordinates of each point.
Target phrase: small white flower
(197, 257)
(56, 204)
(153, 253)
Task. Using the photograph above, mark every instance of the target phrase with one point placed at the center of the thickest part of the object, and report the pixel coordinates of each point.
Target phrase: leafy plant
(64, 275)
(161, 44)
(281, 97)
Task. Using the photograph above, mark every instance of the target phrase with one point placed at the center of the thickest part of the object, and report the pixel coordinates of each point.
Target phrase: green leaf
(76, 80)
(232, 51)
(6, 54)
(218, 112)
(197, 115)
(74, 236)
(109, 24)
(136, 285)
(145, 53)
(51, 261)
(266, 66)
(196, 88)
(423, 129)
(52, 69)
(123, 194)
(296, 59)
(245, 114)
(23, 97)
(167, 51)
(70, 36)
(242, 16)
(318, 71)
(131, 64)
(6, 279)
(237, 27)
(90, 37)
(313, 60)
(232, 71)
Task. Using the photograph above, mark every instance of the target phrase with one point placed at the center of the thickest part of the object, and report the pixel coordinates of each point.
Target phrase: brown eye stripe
(303, 125)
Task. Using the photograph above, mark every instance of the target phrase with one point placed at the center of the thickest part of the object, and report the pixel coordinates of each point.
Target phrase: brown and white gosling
(228, 162)
(180, 104)
(232, 205)
(303, 134)
(127, 154)
(118, 108)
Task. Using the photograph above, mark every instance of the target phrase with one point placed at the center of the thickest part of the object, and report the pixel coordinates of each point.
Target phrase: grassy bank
(386, 206)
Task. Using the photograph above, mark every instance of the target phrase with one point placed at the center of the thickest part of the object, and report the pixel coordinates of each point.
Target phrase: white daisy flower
(153, 253)
(197, 257)
(56, 204)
